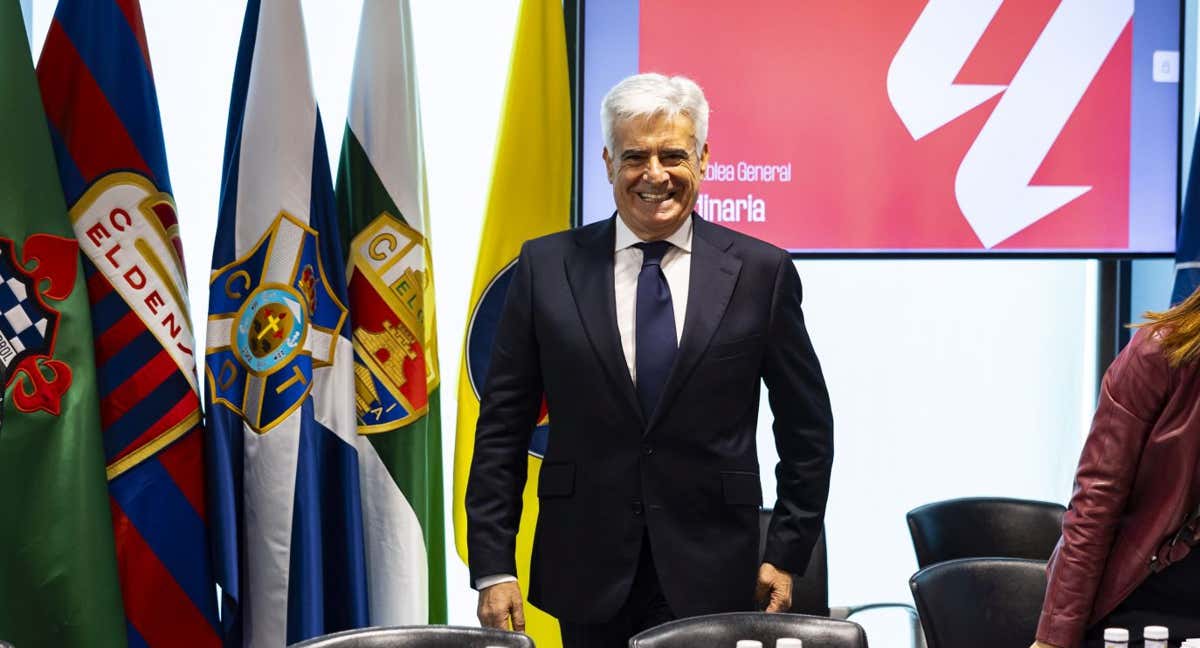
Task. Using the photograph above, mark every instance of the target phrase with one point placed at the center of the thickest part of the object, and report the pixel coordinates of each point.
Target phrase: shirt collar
(680, 238)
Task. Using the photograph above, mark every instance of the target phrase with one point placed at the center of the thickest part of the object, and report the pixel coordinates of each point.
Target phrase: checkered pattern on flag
(22, 323)
(59, 584)
(100, 102)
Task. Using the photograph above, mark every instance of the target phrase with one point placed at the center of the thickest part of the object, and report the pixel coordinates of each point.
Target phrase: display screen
(914, 127)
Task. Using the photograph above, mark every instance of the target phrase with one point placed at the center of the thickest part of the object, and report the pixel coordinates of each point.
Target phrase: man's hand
(500, 603)
(774, 589)
(1039, 644)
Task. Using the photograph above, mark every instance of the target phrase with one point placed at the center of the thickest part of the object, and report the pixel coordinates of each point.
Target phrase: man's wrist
(484, 582)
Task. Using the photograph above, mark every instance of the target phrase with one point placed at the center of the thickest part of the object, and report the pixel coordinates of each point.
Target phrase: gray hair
(644, 95)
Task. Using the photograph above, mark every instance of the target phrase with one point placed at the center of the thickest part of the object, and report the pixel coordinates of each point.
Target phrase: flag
(1187, 248)
(530, 196)
(384, 221)
(58, 573)
(286, 514)
(98, 93)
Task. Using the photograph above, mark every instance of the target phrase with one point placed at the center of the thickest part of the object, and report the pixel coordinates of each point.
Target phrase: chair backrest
(810, 590)
(727, 629)
(977, 527)
(419, 637)
(980, 602)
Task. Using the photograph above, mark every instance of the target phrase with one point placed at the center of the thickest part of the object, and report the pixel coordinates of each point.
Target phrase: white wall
(948, 378)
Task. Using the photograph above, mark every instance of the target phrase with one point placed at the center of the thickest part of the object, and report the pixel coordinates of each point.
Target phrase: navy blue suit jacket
(687, 476)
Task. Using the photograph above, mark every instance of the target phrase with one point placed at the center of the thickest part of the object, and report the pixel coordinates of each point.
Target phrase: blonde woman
(1124, 559)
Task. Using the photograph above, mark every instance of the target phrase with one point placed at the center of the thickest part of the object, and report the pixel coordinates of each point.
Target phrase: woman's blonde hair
(1178, 329)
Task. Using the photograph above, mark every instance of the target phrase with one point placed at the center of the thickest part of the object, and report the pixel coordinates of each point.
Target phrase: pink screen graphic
(812, 149)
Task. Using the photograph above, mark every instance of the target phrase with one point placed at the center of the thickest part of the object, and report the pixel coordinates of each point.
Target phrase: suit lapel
(590, 275)
(711, 281)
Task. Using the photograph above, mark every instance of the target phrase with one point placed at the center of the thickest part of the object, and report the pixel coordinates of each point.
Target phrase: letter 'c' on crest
(244, 277)
(387, 238)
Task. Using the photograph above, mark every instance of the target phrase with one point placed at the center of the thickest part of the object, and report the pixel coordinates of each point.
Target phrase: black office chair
(419, 637)
(810, 590)
(976, 527)
(727, 629)
(980, 602)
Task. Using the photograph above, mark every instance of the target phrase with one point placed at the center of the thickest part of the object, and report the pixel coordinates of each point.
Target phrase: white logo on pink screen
(992, 185)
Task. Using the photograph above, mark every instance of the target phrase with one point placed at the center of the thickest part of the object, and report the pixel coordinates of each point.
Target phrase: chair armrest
(855, 609)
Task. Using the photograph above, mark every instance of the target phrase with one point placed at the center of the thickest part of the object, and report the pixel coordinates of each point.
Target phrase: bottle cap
(749, 643)
(788, 642)
(1111, 634)
(1156, 632)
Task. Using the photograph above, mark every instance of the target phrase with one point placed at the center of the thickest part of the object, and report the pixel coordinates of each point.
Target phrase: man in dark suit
(648, 333)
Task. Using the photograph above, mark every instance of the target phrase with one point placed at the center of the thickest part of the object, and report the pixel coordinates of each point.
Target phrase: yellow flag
(530, 196)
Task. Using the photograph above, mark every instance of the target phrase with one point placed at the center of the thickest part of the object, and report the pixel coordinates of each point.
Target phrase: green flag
(384, 223)
(58, 574)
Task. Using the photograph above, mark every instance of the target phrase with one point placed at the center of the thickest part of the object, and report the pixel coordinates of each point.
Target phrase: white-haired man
(648, 333)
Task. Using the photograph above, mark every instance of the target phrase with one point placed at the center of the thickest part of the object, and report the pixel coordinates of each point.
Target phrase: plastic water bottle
(749, 643)
(1155, 636)
(788, 642)
(1116, 638)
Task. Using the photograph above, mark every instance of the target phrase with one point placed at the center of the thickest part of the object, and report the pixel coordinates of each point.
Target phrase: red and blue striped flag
(98, 91)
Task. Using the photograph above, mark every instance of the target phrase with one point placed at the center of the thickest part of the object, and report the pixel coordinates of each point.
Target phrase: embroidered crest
(129, 231)
(276, 319)
(29, 325)
(394, 345)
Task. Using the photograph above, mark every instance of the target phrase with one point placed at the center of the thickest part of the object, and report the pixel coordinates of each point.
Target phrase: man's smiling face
(655, 173)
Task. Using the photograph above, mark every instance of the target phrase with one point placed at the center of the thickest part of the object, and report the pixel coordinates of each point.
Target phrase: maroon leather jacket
(1136, 484)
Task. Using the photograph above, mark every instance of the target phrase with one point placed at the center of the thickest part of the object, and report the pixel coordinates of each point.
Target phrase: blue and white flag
(286, 510)
(1187, 248)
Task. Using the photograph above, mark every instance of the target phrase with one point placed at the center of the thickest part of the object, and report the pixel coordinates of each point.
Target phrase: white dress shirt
(627, 265)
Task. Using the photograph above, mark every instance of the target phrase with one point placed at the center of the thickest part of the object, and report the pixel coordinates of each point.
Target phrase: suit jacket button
(647, 450)
(637, 507)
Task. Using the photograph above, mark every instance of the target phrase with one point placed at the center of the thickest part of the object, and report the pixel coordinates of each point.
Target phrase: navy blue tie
(654, 336)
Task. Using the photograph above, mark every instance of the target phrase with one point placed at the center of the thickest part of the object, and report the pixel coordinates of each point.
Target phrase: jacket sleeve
(508, 412)
(1132, 395)
(803, 426)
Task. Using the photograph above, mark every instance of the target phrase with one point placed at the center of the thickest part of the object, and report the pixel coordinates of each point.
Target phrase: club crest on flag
(129, 231)
(275, 319)
(388, 282)
(481, 334)
(28, 325)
